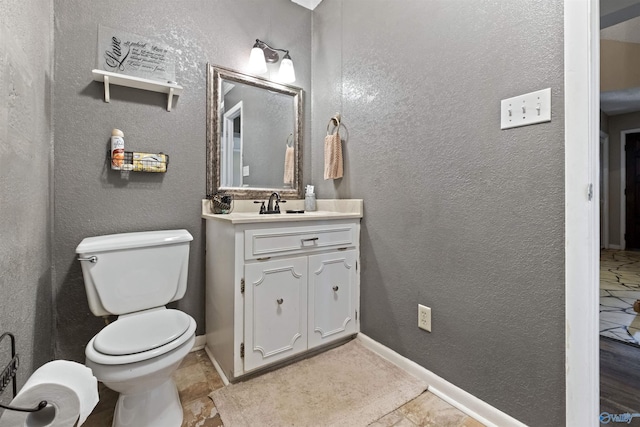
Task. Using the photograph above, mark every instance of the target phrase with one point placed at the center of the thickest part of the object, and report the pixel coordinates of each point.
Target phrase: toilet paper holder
(9, 373)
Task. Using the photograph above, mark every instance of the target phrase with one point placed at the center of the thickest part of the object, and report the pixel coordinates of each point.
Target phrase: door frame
(582, 216)
(226, 157)
(623, 185)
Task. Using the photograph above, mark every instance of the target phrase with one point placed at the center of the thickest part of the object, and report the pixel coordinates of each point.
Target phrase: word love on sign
(126, 53)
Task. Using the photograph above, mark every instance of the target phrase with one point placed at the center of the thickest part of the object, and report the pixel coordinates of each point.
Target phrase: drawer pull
(342, 249)
(335, 289)
(279, 301)
(311, 239)
(264, 259)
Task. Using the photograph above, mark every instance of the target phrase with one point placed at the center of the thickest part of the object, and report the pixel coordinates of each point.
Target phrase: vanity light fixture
(261, 53)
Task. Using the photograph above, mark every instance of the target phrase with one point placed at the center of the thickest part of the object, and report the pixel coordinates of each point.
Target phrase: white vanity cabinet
(275, 313)
(277, 289)
(332, 297)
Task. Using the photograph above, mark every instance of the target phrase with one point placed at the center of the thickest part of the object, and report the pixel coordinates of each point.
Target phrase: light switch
(245, 171)
(527, 109)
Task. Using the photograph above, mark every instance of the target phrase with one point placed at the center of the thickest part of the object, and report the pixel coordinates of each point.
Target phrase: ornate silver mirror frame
(215, 77)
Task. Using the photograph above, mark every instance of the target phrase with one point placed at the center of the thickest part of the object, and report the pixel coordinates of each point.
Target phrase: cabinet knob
(335, 289)
(279, 300)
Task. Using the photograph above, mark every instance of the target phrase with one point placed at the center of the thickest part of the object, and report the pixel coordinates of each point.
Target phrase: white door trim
(226, 157)
(581, 92)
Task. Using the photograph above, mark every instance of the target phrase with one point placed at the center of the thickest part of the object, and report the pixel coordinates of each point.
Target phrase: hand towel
(333, 168)
(289, 163)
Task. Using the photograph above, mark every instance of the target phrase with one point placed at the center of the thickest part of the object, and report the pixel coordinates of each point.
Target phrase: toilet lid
(141, 332)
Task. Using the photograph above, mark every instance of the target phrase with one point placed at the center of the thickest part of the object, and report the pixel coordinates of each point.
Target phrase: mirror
(254, 136)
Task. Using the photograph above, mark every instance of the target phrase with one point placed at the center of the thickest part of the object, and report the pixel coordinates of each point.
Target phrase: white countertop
(245, 211)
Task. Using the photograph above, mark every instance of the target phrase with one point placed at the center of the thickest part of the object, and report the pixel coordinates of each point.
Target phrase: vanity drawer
(263, 243)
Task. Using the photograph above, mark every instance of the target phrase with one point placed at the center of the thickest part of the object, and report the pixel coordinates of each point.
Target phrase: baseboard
(455, 396)
(617, 247)
(201, 340)
(224, 378)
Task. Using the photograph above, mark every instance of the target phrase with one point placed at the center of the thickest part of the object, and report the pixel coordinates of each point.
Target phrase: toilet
(133, 276)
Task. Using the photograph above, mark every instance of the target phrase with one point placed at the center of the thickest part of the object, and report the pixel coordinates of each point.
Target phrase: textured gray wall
(26, 65)
(459, 215)
(91, 200)
(617, 124)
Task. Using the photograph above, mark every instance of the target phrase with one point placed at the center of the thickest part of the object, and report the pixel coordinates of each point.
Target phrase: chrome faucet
(271, 208)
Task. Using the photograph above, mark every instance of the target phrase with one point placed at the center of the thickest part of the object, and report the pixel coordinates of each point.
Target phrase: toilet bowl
(148, 396)
(134, 275)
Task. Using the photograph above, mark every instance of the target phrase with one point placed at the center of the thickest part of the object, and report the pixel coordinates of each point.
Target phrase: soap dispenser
(310, 199)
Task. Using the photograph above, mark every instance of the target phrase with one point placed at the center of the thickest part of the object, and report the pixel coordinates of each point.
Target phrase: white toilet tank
(129, 272)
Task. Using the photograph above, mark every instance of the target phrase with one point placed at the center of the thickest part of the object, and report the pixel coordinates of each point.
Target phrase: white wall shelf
(171, 89)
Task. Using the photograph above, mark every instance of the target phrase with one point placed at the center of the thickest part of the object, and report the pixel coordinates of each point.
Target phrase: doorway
(231, 155)
(632, 191)
(619, 279)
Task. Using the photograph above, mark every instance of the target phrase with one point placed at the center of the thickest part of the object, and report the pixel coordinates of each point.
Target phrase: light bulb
(257, 63)
(286, 74)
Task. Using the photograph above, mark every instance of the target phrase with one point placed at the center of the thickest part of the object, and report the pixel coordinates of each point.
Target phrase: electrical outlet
(424, 317)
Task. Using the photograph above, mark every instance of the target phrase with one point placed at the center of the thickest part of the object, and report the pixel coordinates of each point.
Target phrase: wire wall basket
(139, 162)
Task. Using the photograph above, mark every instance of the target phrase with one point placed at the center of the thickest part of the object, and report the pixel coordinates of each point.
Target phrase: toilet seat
(146, 331)
(138, 337)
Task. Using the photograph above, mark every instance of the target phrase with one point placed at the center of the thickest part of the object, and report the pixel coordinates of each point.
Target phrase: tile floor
(619, 289)
(197, 377)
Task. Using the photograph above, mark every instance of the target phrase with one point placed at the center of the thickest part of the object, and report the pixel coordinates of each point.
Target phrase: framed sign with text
(134, 55)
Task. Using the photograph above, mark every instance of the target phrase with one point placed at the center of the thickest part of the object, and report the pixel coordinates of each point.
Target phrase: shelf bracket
(170, 99)
(107, 96)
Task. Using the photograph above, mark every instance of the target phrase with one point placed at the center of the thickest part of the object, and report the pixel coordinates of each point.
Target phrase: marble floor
(619, 289)
(197, 377)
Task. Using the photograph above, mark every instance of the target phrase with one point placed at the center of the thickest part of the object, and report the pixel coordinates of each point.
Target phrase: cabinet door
(275, 311)
(332, 296)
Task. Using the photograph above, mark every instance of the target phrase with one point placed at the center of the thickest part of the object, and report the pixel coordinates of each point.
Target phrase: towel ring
(335, 120)
(290, 144)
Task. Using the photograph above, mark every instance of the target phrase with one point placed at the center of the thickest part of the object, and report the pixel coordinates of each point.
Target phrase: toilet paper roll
(70, 390)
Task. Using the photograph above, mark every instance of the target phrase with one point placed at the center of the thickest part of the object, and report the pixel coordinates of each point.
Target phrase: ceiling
(613, 12)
